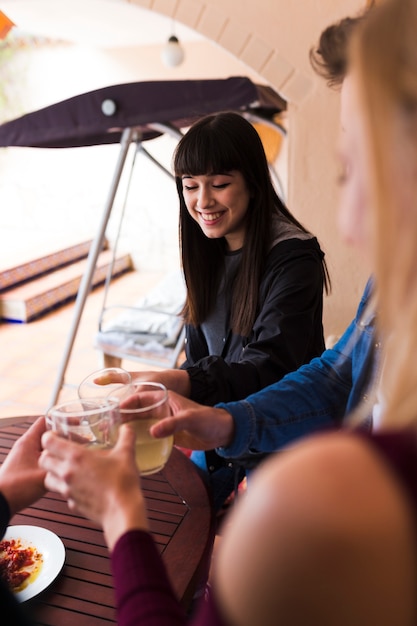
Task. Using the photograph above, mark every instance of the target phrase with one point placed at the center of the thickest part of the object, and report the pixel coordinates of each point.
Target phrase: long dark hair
(221, 143)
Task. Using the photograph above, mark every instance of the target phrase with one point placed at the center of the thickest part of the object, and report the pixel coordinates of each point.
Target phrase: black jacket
(287, 332)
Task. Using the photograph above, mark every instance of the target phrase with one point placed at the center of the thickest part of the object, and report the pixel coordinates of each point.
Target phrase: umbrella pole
(129, 135)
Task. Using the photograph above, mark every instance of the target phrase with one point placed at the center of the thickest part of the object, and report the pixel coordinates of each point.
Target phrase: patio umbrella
(126, 113)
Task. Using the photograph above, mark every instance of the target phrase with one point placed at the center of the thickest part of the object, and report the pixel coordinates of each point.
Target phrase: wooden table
(82, 595)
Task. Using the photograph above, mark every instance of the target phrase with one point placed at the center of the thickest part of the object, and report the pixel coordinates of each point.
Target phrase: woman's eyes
(218, 186)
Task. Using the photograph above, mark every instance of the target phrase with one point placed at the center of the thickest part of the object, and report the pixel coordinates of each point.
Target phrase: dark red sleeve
(144, 596)
(143, 592)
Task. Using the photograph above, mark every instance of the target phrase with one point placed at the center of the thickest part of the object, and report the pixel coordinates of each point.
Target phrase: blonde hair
(384, 57)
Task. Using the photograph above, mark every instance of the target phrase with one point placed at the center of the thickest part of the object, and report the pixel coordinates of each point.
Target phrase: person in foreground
(332, 519)
(21, 484)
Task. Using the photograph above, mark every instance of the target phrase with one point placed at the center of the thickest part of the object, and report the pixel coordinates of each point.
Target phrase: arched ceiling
(112, 23)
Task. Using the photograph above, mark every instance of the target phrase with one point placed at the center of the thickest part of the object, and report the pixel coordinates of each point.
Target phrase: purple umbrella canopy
(100, 116)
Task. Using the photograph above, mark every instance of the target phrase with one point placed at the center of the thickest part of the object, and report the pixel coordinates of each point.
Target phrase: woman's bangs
(203, 155)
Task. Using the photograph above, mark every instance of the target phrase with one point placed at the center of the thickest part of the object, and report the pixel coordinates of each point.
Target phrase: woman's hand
(175, 379)
(195, 426)
(21, 479)
(103, 485)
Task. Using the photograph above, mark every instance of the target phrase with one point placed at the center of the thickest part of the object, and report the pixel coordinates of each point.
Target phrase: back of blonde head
(384, 56)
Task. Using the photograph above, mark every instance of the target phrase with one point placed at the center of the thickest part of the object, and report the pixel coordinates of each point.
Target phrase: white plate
(53, 552)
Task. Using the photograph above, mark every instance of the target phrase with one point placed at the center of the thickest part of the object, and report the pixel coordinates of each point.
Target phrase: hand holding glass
(91, 422)
(142, 405)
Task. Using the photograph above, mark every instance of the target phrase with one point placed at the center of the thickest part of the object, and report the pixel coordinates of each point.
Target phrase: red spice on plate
(17, 563)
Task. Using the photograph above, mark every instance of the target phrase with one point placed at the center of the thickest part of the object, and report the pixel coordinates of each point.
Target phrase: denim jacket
(316, 396)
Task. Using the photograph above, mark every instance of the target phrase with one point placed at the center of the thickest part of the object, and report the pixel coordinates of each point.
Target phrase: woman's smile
(210, 217)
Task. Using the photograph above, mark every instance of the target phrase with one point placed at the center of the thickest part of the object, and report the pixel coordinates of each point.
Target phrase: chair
(151, 332)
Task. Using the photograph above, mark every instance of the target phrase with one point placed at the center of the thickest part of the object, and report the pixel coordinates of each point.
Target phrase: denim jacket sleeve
(315, 396)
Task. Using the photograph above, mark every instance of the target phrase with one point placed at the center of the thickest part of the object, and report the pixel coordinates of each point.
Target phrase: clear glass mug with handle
(143, 404)
(91, 421)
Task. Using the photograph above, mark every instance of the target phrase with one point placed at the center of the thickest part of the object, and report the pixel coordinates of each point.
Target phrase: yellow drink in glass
(142, 405)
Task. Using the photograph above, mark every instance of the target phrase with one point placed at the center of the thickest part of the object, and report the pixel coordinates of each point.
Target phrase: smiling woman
(254, 277)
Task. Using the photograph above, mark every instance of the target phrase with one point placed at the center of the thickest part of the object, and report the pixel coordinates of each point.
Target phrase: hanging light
(172, 53)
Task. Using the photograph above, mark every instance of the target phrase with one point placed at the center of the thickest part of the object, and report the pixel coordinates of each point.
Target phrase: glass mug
(91, 421)
(143, 404)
